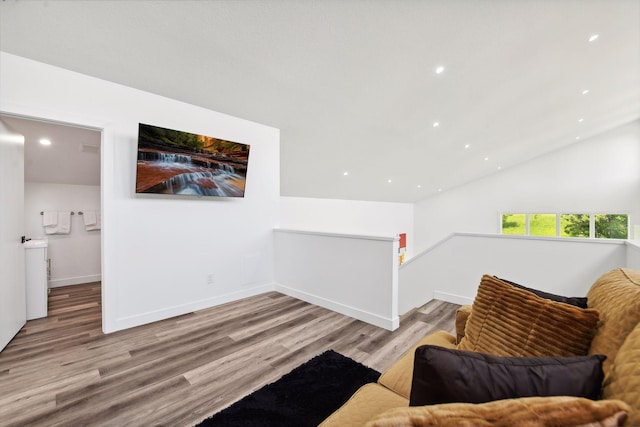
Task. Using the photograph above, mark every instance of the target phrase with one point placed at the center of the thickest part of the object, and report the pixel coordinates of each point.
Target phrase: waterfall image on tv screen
(175, 162)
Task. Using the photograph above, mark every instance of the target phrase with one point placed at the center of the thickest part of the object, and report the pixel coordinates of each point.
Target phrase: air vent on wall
(86, 148)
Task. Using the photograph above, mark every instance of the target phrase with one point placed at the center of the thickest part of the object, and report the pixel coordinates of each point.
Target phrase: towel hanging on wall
(62, 225)
(50, 218)
(91, 220)
(64, 222)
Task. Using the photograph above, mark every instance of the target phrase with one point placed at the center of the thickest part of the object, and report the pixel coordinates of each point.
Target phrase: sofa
(458, 380)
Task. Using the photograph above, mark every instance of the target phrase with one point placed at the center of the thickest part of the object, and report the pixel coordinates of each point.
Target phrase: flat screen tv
(176, 162)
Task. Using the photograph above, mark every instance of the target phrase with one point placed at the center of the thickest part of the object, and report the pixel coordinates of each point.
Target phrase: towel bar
(72, 213)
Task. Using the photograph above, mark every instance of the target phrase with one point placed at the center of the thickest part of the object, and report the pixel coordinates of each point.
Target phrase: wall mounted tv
(176, 162)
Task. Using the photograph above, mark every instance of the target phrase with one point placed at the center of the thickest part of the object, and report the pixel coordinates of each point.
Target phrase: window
(514, 224)
(577, 225)
(542, 224)
(612, 226)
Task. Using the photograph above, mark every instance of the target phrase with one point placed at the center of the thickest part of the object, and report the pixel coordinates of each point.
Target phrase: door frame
(106, 131)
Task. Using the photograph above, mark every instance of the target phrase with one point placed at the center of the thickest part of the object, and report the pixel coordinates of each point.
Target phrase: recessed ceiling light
(580, 120)
(577, 138)
(419, 186)
(436, 124)
(467, 145)
(345, 173)
(593, 38)
(439, 190)
(586, 91)
(389, 181)
(499, 167)
(486, 158)
(439, 69)
(45, 141)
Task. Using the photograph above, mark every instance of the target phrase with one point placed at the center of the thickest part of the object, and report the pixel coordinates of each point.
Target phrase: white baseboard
(454, 299)
(58, 283)
(178, 310)
(365, 316)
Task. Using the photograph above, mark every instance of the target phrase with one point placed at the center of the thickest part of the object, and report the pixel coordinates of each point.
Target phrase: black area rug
(303, 397)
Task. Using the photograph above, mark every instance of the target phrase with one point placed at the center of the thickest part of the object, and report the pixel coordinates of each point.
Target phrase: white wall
(633, 255)
(348, 216)
(355, 275)
(451, 270)
(75, 257)
(598, 175)
(157, 252)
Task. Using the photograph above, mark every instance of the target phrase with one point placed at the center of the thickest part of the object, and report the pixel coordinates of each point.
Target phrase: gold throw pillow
(508, 321)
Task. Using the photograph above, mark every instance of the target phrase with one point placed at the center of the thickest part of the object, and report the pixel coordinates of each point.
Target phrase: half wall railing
(358, 275)
(355, 275)
(451, 269)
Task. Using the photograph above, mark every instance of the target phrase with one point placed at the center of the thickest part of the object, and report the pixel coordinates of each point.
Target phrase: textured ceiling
(352, 84)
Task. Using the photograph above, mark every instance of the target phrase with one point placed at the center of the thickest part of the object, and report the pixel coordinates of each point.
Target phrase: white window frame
(592, 224)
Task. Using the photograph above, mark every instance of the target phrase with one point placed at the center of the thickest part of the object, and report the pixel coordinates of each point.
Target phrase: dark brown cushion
(576, 301)
(442, 375)
(507, 321)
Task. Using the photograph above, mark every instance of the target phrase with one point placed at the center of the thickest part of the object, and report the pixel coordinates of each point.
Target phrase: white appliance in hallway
(36, 278)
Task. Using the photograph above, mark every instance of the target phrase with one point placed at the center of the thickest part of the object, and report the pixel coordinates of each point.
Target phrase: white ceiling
(72, 158)
(352, 83)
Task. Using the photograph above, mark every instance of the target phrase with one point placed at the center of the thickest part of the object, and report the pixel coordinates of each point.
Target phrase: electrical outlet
(210, 280)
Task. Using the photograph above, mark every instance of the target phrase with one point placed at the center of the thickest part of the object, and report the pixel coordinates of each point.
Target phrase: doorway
(62, 177)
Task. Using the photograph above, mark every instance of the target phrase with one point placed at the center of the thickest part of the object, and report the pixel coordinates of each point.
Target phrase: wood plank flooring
(63, 371)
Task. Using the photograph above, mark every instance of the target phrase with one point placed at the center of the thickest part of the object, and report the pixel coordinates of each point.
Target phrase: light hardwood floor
(63, 371)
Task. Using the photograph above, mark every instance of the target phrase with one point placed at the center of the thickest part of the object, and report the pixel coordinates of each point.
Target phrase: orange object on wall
(402, 248)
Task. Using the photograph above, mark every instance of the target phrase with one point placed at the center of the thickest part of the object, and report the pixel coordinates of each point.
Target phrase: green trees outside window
(606, 226)
(612, 226)
(574, 225)
(514, 224)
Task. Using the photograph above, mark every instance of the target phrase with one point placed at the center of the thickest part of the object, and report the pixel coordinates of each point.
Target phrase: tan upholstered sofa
(614, 300)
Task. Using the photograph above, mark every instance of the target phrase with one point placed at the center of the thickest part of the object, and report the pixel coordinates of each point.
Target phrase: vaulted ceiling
(355, 86)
